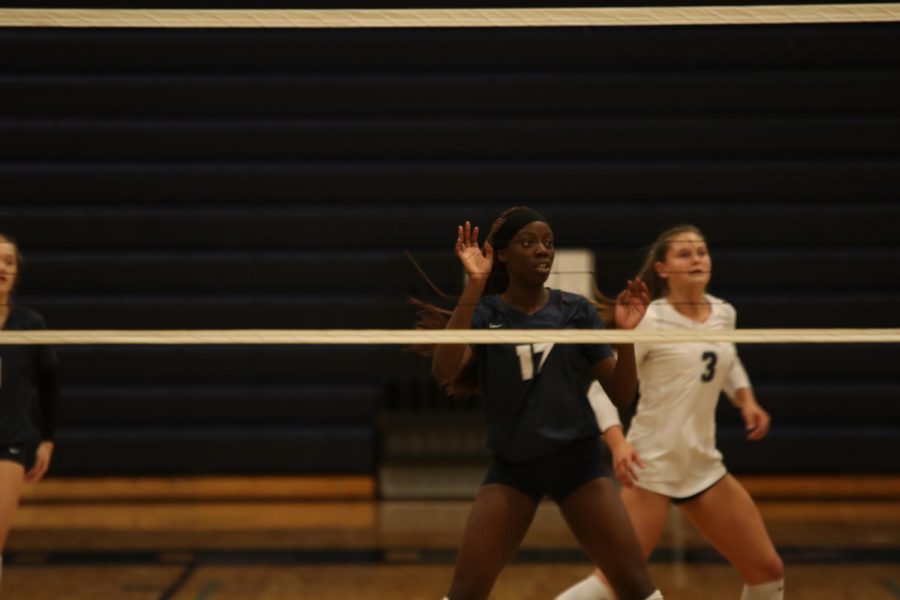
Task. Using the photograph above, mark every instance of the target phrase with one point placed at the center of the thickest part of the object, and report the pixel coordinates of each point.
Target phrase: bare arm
(756, 419)
(624, 457)
(449, 358)
(618, 375)
(738, 389)
(49, 394)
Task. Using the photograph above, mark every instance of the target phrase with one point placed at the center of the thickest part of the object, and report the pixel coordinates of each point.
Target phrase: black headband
(516, 220)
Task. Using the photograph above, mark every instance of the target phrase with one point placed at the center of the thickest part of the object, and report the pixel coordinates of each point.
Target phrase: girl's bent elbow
(624, 401)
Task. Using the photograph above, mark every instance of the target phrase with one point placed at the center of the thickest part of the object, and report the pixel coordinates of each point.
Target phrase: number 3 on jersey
(711, 360)
(526, 354)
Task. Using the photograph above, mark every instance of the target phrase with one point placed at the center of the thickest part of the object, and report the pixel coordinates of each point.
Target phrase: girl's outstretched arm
(618, 375)
(449, 358)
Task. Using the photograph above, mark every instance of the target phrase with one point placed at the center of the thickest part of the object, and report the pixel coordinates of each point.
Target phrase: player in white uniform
(670, 455)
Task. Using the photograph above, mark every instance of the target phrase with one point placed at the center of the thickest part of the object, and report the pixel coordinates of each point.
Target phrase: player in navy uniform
(541, 429)
(28, 395)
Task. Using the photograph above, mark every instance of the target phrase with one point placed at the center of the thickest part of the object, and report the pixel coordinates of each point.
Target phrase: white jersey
(674, 429)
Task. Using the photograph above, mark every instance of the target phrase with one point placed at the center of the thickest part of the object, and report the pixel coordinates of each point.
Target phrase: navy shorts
(677, 501)
(557, 475)
(24, 454)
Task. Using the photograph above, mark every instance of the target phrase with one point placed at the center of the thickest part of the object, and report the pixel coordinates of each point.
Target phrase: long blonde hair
(658, 286)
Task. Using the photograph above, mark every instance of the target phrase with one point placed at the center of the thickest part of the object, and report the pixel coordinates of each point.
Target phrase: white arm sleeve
(604, 410)
(737, 379)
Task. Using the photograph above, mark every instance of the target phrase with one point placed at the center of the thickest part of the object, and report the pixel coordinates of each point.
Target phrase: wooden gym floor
(329, 538)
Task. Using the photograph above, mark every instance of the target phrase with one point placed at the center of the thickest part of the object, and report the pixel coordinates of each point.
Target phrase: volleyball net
(447, 336)
(459, 17)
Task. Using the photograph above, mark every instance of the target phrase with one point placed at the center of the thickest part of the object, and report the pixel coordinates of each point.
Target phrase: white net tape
(456, 336)
(478, 17)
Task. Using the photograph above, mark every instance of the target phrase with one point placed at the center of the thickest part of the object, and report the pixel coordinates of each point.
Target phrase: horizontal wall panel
(595, 225)
(813, 450)
(235, 365)
(217, 405)
(161, 50)
(420, 138)
(718, 182)
(387, 272)
(822, 363)
(208, 451)
(350, 311)
(226, 365)
(285, 272)
(808, 403)
(874, 92)
(786, 309)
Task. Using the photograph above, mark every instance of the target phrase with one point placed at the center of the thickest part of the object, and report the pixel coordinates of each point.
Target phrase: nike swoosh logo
(495, 325)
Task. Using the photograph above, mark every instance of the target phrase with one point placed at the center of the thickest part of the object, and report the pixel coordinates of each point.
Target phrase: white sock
(657, 595)
(772, 590)
(589, 588)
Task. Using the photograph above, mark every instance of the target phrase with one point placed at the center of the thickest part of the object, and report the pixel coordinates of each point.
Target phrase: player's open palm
(476, 262)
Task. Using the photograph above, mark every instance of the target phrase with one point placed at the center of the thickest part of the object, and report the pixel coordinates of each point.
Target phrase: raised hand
(631, 304)
(476, 262)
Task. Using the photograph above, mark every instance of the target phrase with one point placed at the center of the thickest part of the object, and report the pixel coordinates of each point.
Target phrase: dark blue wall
(249, 178)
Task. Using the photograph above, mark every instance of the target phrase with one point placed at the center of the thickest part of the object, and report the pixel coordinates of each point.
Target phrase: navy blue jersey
(28, 388)
(535, 395)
